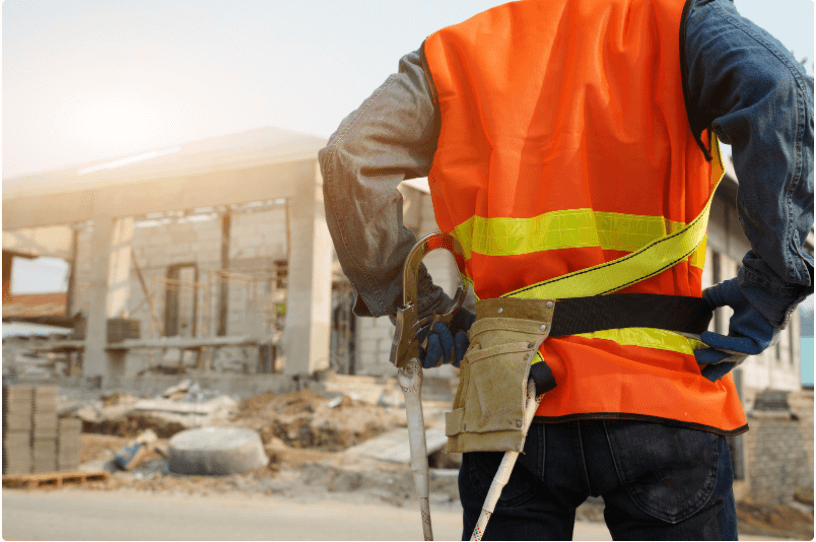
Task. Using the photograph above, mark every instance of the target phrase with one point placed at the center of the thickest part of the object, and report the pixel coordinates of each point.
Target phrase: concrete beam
(158, 195)
(308, 303)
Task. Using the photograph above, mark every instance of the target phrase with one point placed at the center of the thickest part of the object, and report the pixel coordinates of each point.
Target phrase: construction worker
(561, 137)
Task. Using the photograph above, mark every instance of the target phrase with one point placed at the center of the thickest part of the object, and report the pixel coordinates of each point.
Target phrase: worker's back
(565, 144)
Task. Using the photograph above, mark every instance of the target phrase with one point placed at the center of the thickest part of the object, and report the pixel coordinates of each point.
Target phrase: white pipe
(506, 466)
(410, 380)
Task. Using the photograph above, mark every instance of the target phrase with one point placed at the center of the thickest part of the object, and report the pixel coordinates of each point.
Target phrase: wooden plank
(53, 478)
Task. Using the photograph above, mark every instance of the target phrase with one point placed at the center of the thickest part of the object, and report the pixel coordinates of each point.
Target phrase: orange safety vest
(564, 144)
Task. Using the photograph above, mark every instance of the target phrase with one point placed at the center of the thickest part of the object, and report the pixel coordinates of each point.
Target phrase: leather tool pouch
(489, 405)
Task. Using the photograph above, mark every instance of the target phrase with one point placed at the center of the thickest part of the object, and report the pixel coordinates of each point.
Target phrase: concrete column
(308, 296)
(109, 293)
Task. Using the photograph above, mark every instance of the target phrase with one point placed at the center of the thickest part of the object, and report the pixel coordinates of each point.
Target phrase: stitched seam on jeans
(330, 166)
(583, 460)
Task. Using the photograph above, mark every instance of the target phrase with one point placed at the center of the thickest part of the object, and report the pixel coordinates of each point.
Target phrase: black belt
(670, 312)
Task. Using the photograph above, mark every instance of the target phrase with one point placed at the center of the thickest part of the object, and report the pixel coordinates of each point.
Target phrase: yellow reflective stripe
(573, 228)
(659, 339)
(646, 262)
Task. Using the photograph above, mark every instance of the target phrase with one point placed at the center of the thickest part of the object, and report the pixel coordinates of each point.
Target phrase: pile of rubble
(306, 419)
(307, 436)
(180, 407)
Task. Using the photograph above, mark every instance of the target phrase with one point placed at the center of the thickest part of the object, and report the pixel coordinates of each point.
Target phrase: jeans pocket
(669, 472)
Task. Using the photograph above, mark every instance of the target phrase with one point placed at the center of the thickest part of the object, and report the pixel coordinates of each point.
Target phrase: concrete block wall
(257, 239)
(801, 404)
(258, 235)
(159, 246)
(374, 338)
(779, 450)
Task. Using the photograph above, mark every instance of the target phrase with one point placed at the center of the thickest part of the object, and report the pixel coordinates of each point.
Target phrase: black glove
(444, 340)
(749, 333)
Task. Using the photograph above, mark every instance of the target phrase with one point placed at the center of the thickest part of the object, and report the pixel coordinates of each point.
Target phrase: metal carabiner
(405, 345)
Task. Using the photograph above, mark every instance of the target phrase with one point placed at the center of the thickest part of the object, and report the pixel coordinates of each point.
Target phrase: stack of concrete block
(68, 443)
(44, 430)
(18, 402)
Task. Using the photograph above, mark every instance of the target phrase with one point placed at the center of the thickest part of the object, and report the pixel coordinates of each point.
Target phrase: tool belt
(504, 340)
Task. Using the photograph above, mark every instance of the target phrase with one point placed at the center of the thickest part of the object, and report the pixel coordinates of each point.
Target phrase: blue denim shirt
(742, 83)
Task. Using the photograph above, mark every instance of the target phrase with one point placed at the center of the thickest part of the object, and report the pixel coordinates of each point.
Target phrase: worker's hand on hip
(446, 343)
(749, 333)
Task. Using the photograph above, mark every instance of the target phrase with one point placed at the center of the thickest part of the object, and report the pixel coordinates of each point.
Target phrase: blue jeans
(658, 482)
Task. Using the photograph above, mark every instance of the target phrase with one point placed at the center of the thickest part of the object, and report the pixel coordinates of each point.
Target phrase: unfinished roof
(244, 149)
(236, 168)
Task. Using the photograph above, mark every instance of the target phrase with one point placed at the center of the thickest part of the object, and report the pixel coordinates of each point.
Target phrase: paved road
(71, 514)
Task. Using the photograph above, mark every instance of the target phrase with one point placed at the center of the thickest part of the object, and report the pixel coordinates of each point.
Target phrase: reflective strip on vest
(647, 338)
(574, 228)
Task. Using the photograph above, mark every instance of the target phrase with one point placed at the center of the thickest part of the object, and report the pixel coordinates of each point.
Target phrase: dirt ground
(304, 435)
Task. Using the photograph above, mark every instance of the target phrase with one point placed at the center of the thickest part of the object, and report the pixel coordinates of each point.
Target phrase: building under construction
(212, 255)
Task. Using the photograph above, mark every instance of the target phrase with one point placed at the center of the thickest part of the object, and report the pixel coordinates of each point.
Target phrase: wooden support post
(223, 290)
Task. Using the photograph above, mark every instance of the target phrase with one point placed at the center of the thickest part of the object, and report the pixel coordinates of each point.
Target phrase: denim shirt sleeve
(755, 96)
(390, 138)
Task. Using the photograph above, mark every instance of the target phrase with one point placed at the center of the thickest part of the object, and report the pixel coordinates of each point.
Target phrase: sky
(95, 80)
(92, 80)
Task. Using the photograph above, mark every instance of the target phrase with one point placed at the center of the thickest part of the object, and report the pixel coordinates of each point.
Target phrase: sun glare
(114, 123)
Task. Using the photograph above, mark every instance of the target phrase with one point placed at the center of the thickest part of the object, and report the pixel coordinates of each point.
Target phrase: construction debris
(306, 419)
(125, 415)
(131, 455)
(216, 450)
